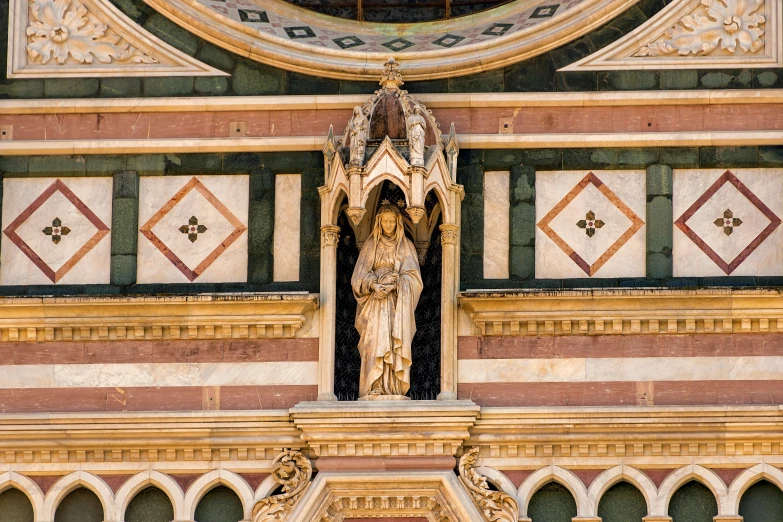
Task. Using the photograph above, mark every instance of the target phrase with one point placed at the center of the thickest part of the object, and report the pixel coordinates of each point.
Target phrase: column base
(651, 518)
(327, 397)
(728, 518)
(447, 396)
(586, 519)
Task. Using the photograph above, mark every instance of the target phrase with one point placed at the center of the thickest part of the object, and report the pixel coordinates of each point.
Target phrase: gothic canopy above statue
(391, 137)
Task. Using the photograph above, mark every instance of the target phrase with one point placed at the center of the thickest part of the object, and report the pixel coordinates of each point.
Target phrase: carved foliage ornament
(65, 29)
(294, 472)
(496, 506)
(728, 24)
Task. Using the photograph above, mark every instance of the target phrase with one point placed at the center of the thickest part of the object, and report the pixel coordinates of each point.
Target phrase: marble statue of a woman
(358, 133)
(417, 127)
(386, 284)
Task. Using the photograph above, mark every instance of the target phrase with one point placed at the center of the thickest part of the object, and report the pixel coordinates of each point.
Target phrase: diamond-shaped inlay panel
(727, 222)
(193, 229)
(590, 224)
(55, 231)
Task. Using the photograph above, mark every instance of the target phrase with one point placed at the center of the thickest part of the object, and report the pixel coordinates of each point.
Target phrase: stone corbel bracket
(292, 470)
(698, 34)
(496, 506)
(88, 38)
(385, 429)
(604, 312)
(218, 316)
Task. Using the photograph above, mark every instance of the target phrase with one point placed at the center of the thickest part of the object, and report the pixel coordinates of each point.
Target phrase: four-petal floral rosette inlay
(728, 25)
(55, 231)
(727, 240)
(177, 228)
(66, 31)
(571, 222)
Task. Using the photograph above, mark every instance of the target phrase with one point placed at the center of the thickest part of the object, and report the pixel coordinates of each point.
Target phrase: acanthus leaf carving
(292, 470)
(496, 506)
(728, 24)
(66, 29)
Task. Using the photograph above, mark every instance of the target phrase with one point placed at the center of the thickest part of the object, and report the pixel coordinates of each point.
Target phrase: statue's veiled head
(388, 222)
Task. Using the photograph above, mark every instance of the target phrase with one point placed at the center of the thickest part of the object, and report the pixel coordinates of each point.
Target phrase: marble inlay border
(294, 38)
(192, 274)
(591, 269)
(730, 266)
(57, 186)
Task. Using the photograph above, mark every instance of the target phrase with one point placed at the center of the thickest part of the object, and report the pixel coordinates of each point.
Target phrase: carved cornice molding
(385, 428)
(698, 34)
(218, 316)
(621, 311)
(354, 50)
(88, 38)
(137, 438)
(718, 434)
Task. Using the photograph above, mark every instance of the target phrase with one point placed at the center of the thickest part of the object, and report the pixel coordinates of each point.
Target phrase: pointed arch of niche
(88, 38)
(357, 185)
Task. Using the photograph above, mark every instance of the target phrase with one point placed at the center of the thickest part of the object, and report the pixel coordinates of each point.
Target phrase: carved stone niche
(391, 137)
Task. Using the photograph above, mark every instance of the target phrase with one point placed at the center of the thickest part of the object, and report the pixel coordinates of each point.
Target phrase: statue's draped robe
(386, 325)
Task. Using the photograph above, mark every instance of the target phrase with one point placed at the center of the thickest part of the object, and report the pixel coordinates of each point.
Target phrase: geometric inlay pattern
(745, 222)
(572, 224)
(165, 231)
(323, 33)
(39, 233)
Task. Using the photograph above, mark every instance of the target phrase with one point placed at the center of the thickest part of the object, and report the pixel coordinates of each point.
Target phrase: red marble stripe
(477, 120)
(549, 393)
(200, 351)
(620, 346)
(666, 393)
(172, 398)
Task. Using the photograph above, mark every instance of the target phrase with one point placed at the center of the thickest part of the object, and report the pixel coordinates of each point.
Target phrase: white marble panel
(522, 370)
(36, 251)
(288, 197)
(159, 374)
(496, 225)
(622, 369)
(590, 224)
(727, 222)
(193, 229)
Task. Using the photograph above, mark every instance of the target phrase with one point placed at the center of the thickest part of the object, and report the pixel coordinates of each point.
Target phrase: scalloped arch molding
(293, 38)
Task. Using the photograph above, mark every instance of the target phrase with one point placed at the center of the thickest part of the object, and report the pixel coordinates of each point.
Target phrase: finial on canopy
(391, 78)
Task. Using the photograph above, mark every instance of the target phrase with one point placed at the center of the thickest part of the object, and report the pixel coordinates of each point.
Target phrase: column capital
(449, 234)
(330, 235)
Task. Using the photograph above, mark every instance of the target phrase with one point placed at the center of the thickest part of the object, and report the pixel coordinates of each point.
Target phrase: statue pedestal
(384, 398)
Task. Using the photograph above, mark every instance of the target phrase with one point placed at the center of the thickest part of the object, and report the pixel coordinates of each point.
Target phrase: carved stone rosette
(294, 472)
(496, 506)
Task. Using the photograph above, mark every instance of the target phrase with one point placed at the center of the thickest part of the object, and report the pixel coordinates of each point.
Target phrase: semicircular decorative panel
(280, 34)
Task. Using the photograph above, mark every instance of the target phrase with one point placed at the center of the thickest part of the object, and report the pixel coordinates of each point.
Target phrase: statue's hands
(381, 290)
